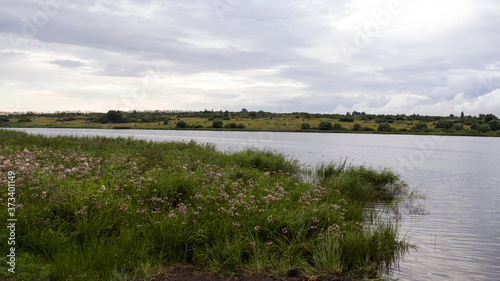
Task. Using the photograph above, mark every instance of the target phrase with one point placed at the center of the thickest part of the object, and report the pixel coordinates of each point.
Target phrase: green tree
(384, 127)
(181, 124)
(325, 125)
(115, 116)
(484, 128)
(241, 126)
(494, 125)
(217, 124)
(305, 126)
(420, 126)
(489, 117)
(443, 124)
(338, 127)
(231, 126)
(356, 127)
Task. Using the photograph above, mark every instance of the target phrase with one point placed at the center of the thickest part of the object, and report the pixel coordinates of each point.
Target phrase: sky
(427, 57)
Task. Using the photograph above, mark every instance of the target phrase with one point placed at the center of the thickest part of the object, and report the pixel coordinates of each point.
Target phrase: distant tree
(462, 115)
(165, 122)
(217, 124)
(338, 127)
(356, 127)
(458, 127)
(252, 114)
(24, 119)
(325, 125)
(475, 126)
(443, 124)
(241, 126)
(384, 127)
(484, 128)
(231, 126)
(244, 110)
(489, 117)
(114, 116)
(305, 126)
(181, 124)
(494, 125)
(420, 126)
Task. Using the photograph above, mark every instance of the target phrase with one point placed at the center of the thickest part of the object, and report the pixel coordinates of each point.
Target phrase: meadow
(482, 125)
(95, 208)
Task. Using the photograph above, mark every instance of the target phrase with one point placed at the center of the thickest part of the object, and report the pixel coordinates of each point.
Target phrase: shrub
(443, 124)
(420, 126)
(458, 127)
(346, 119)
(217, 124)
(241, 126)
(115, 116)
(484, 128)
(356, 127)
(305, 126)
(368, 129)
(165, 122)
(475, 126)
(181, 124)
(198, 126)
(494, 125)
(338, 127)
(384, 127)
(231, 126)
(24, 119)
(325, 125)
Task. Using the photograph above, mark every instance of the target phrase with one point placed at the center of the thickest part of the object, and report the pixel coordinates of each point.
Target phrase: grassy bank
(106, 209)
(263, 121)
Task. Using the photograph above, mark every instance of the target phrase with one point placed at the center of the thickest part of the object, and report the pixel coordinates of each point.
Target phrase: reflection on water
(459, 238)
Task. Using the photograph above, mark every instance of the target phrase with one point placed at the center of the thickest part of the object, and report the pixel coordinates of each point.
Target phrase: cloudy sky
(429, 57)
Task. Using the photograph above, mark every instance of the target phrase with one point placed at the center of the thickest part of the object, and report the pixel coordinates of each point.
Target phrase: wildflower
(237, 224)
(270, 218)
(269, 244)
(257, 228)
(284, 231)
(200, 231)
(139, 225)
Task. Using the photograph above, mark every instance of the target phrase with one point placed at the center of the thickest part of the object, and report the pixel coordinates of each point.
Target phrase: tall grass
(102, 209)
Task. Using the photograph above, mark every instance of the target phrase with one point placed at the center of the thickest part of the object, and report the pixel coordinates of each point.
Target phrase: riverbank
(99, 208)
(268, 122)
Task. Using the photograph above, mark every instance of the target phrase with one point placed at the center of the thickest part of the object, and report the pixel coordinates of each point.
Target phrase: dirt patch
(189, 273)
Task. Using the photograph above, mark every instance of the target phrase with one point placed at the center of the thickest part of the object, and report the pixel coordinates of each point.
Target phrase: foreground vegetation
(355, 122)
(101, 209)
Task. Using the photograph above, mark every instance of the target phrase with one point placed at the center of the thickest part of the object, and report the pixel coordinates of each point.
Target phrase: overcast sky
(429, 57)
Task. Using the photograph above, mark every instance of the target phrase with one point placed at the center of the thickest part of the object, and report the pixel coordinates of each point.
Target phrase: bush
(346, 119)
(484, 128)
(181, 124)
(420, 126)
(165, 122)
(24, 119)
(475, 127)
(217, 124)
(443, 124)
(115, 116)
(356, 127)
(494, 125)
(368, 129)
(384, 127)
(198, 126)
(231, 126)
(338, 127)
(241, 126)
(458, 127)
(325, 125)
(305, 126)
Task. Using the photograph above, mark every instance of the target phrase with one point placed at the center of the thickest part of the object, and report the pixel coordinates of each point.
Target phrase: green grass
(95, 208)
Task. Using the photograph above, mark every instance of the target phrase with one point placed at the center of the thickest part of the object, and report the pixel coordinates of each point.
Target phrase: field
(484, 125)
(123, 209)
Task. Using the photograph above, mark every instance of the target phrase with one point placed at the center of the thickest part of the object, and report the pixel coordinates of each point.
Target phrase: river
(458, 235)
